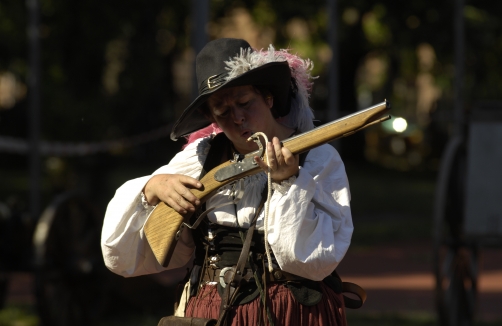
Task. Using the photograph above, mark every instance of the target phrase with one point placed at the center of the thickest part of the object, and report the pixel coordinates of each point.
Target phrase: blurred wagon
(468, 212)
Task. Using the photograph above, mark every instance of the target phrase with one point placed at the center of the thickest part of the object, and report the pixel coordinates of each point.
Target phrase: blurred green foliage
(121, 68)
(113, 69)
(17, 315)
(354, 318)
(135, 44)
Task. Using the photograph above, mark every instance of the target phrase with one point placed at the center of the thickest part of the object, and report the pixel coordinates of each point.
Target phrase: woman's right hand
(174, 190)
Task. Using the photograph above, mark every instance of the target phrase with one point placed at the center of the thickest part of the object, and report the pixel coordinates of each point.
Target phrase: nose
(238, 115)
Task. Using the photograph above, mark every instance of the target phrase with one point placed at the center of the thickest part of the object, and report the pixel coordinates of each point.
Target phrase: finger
(178, 198)
(190, 182)
(174, 203)
(293, 161)
(185, 204)
(261, 163)
(277, 147)
(187, 195)
(289, 158)
(271, 157)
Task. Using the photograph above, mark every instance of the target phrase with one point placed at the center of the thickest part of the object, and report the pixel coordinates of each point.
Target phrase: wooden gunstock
(164, 222)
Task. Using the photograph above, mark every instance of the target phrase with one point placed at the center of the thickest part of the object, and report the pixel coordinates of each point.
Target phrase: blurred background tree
(117, 69)
(120, 69)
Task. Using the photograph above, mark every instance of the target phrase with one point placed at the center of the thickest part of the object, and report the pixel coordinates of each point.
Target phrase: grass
(400, 319)
(18, 315)
(130, 320)
(387, 205)
(15, 315)
(377, 190)
(25, 315)
(411, 319)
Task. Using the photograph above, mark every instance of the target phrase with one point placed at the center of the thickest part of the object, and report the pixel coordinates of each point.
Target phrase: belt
(224, 275)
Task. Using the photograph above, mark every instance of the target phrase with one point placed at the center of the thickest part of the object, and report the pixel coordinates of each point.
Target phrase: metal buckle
(222, 276)
(240, 164)
(211, 84)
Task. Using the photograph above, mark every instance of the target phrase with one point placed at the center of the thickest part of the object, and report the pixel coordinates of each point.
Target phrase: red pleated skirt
(285, 310)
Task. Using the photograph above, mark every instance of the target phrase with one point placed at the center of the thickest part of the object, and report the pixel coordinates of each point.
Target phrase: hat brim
(275, 76)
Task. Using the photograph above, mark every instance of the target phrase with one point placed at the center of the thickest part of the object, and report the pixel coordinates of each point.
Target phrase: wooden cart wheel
(455, 260)
(70, 276)
(457, 285)
(4, 280)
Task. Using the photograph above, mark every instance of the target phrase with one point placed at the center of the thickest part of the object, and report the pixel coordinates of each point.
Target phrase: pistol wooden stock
(164, 222)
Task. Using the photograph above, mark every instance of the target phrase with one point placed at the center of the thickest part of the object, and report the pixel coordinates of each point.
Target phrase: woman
(300, 237)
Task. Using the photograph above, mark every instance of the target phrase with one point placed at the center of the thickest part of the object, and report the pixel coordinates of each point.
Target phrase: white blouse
(309, 225)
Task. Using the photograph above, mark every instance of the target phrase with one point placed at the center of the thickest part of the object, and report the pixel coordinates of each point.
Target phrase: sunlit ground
(25, 316)
(392, 218)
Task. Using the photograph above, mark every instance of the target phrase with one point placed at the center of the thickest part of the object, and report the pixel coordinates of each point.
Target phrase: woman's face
(241, 111)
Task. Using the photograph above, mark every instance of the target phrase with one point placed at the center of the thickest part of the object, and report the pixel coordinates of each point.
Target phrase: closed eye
(223, 114)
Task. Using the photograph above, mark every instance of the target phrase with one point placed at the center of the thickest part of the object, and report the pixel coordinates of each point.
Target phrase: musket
(164, 225)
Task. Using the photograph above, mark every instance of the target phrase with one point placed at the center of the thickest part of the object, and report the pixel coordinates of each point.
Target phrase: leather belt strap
(215, 275)
(355, 289)
(235, 276)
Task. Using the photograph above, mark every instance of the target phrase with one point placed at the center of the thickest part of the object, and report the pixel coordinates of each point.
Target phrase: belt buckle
(222, 276)
(278, 275)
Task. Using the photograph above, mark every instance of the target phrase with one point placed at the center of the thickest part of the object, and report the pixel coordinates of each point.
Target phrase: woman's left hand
(283, 164)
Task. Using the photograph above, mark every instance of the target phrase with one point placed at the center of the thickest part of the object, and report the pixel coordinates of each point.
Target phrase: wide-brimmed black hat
(213, 75)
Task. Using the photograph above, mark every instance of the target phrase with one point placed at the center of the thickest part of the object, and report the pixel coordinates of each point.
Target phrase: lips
(246, 133)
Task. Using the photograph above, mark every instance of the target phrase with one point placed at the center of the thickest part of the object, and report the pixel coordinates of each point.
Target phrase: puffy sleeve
(310, 225)
(125, 249)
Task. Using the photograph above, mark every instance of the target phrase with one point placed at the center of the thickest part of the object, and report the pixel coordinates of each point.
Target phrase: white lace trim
(144, 202)
(284, 185)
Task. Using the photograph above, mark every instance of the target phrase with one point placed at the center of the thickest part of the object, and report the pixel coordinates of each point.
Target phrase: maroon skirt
(285, 310)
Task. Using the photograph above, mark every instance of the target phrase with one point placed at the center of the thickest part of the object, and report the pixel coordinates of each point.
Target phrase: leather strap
(214, 275)
(236, 277)
(219, 145)
(186, 321)
(355, 289)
